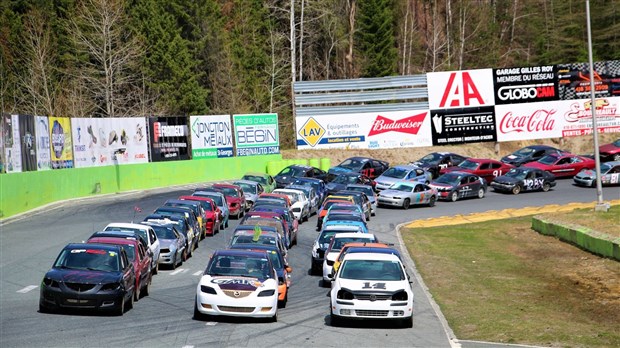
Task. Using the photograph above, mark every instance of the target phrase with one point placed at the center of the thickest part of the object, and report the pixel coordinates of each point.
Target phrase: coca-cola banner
(460, 89)
(169, 138)
(574, 80)
(525, 85)
(578, 119)
(531, 121)
(365, 131)
(457, 126)
(42, 131)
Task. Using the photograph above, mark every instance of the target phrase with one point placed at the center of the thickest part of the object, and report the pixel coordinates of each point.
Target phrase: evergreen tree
(376, 39)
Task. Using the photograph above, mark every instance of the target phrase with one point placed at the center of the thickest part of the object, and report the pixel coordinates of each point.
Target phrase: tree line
(107, 58)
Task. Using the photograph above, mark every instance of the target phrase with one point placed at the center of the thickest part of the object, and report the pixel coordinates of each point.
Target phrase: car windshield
(240, 266)
(401, 187)
(292, 171)
(524, 152)
(605, 167)
(468, 164)
(343, 217)
(140, 232)
(206, 205)
(517, 174)
(340, 242)
(431, 157)
(256, 178)
(351, 164)
(372, 270)
(548, 160)
(229, 191)
(617, 143)
(163, 232)
(326, 237)
(216, 198)
(249, 239)
(396, 173)
(345, 179)
(366, 189)
(450, 179)
(275, 259)
(246, 187)
(293, 196)
(89, 259)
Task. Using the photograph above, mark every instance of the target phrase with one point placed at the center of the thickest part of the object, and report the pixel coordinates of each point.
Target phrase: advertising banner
(457, 126)
(256, 134)
(169, 138)
(578, 119)
(574, 80)
(109, 141)
(62, 146)
(42, 131)
(365, 131)
(531, 121)
(27, 143)
(11, 143)
(211, 136)
(460, 89)
(525, 85)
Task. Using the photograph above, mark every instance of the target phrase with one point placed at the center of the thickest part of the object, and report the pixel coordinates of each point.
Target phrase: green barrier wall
(20, 192)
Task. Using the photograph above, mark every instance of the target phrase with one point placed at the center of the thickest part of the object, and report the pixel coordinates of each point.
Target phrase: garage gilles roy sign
(525, 85)
(169, 138)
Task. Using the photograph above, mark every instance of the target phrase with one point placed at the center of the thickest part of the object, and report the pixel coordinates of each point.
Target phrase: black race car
(530, 154)
(341, 181)
(370, 167)
(456, 185)
(435, 161)
(524, 179)
(288, 175)
(89, 276)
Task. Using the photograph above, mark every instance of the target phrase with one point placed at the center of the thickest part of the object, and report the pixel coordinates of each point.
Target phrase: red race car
(562, 165)
(610, 152)
(488, 169)
(213, 214)
(235, 197)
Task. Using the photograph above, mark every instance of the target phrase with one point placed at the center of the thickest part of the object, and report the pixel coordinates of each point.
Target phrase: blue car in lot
(348, 223)
(318, 184)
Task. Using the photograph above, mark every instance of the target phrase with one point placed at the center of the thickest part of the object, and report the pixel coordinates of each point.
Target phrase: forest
(117, 58)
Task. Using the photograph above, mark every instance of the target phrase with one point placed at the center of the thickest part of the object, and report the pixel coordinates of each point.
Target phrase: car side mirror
(331, 277)
(289, 269)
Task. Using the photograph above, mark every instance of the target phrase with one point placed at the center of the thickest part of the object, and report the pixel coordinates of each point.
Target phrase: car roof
(112, 240)
(248, 182)
(370, 256)
(360, 185)
(269, 247)
(239, 252)
(223, 184)
(372, 249)
(256, 174)
(126, 225)
(250, 228)
(406, 167)
(182, 202)
(355, 235)
(92, 246)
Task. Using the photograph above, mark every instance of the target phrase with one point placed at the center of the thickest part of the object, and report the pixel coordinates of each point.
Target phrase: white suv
(147, 233)
(371, 286)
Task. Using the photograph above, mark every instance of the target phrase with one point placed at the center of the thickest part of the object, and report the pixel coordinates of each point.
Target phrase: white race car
(371, 286)
(238, 283)
(336, 244)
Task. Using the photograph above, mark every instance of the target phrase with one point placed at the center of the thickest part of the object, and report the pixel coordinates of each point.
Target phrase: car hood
(236, 282)
(506, 180)
(167, 243)
(335, 187)
(393, 193)
(385, 180)
(251, 197)
(536, 165)
(440, 185)
(338, 170)
(287, 179)
(587, 173)
(83, 276)
(357, 285)
(609, 148)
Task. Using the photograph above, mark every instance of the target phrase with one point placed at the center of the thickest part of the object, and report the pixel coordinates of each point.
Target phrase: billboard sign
(457, 126)
(42, 132)
(460, 89)
(11, 143)
(256, 134)
(211, 136)
(578, 119)
(574, 80)
(169, 138)
(27, 142)
(530, 121)
(525, 85)
(61, 144)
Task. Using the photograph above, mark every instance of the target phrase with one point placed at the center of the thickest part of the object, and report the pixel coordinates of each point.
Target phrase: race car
(524, 179)
(453, 186)
(400, 173)
(288, 175)
(610, 175)
(488, 169)
(370, 167)
(238, 283)
(529, 154)
(251, 190)
(235, 198)
(406, 193)
(266, 180)
(212, 213)
(335, 245)
(610, 152)
(147, 233)
(562, 165)
(371, 286)
(341, 180)
(435, 161)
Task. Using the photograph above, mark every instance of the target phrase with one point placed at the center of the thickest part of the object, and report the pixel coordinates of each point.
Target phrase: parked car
(300, 204)
(235, 198)
(406, 193)
(341, 181)
(530, 154)
(524, 179)
(220, 200)
(310, 192)
(610, 175)
(562, 165)
(267, 181)
(455, 185)
(335, 245)
(317, 184)
(172, 241)
(486, 168)
(251, 190)
(370, 167)
(182, 225)
(435, 161)
(288, 175)
(147, 233)
(370, 193)
(610, 152)
(401, 173)
(212, 214)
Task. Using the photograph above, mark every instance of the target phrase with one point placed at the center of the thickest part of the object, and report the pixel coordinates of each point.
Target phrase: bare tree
(351, 7)
(278, 64)
(101, 34)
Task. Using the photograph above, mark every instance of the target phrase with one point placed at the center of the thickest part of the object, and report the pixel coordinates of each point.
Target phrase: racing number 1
(367, 285)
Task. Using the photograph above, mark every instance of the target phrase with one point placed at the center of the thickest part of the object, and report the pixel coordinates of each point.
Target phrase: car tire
(184, 256)
(136, 294)
(334, 320)
(431, 203)
(129, 305)
(197, 314)
(274, 319)
(454, 196)
(156, 269)
(120, 310)
(408, 323)
(147, 288)
(546, 187)
(481, 193)
(516, 190)
(406, 203)
(282, 304)
(174, 263)
(43, 309)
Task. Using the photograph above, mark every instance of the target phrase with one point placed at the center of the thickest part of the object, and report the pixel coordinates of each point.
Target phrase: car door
(129, 274)
(143, 264)
(464, 187)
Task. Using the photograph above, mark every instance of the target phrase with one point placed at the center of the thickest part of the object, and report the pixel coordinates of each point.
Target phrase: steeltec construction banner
(169, 138)
(27, 142)
(257, 134)
(62, 149)
(365, 131)
(42, 132)
(525, 85)
(456, 126)
(211, 136)
(11, 144)
(574, 80)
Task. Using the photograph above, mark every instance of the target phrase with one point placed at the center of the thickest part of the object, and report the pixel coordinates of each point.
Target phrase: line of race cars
(115, 266)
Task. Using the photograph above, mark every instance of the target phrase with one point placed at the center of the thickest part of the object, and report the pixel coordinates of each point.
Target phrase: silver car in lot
(406, 193)
(311, 194)
(370, 193)
(251, 190)
(173, 250)
(610, 175)
(402, 173)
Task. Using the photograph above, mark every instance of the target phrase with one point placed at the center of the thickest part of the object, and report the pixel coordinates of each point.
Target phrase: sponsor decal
(256, 134)
(211, 136)
(312, 132)
(574, 80)
(526, 84)
(578, 118)
(453, 126)
(460, 89)
(537, 121)
(461, 92)
(410, 125)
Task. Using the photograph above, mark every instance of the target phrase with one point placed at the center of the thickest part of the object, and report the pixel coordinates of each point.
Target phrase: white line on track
(197, 273)
(180, 270)
(27, 289)
(211, 323)
(187, 347)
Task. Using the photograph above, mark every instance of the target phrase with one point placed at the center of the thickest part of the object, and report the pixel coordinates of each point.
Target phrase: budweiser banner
(574, 80)
(109, 141)
(525, 85)
(456, 126)
(169, 138)
(211, 136)
(365, 131)
(460, 89)
(42, 131)
(578, 118)
(531, 120)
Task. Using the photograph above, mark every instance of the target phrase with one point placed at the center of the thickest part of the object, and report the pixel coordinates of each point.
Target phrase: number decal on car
(368, 285)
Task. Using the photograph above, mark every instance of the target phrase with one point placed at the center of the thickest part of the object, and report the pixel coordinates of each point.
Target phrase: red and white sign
(530, 121)
(460, 89)
(410, 125)
(578, 119)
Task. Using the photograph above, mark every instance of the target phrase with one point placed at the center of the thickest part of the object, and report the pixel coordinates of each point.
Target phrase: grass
(500, 281)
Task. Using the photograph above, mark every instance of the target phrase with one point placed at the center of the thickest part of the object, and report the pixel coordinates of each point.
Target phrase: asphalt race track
(29, 245)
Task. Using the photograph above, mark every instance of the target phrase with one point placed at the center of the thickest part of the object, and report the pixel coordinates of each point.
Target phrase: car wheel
(431, 202)
(546, 187)
(408, 323)
(184, 256)
(617, 157)
(190, 253)
(147, 288)
(156, 269)
(129, 305)
(481, 193)
(454, 196)
(197, 314)
(282, 304)
(174, 263)
(334, 319)
(406, 203)
(121, 307)
(516, 190)
(136, 294)
(274, 319)
(43, 309)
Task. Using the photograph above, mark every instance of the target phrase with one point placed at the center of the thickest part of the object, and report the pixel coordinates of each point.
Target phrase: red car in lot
(235, 197)
(138, 256)
(486, 168)
(213, 214)
(562, 165)
(610, 152)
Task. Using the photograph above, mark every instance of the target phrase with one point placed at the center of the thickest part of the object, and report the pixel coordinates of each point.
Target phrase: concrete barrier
(585, 238)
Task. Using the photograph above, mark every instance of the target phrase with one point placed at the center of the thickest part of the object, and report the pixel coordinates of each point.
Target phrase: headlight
(266, 293)
(111, 286)
(344, 294)
(207, 289)
(400, 296)
(50, 282)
